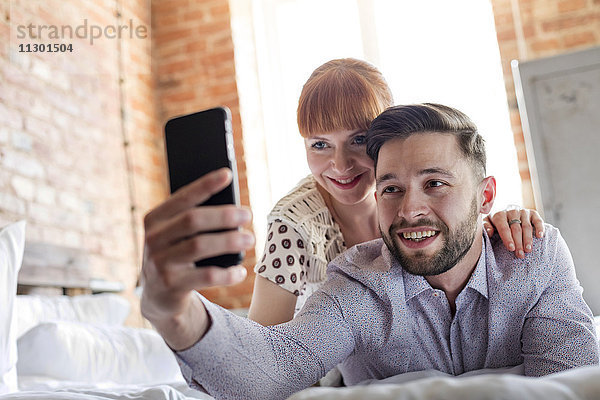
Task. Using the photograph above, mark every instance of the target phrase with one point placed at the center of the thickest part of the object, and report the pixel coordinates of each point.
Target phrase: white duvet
(77, 348)
(577, 384)
(146, 353)
(178, 391)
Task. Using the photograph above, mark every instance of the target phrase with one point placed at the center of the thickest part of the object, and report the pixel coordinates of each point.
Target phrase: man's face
(428, 202)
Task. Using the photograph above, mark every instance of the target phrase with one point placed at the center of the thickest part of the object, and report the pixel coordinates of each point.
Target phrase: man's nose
(413, 205)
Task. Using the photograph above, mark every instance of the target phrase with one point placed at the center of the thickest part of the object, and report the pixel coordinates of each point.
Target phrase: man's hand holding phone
(177, 233)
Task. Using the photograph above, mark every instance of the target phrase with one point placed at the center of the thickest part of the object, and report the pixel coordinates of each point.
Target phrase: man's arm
(229, 356)
(558, 333)
(239, 358)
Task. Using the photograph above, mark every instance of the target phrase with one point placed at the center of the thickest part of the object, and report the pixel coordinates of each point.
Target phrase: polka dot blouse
(284, 260)
(302, 239)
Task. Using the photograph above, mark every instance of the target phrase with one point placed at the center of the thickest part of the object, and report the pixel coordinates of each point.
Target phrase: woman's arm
(516, 236)
(280, 276)
(271, 304)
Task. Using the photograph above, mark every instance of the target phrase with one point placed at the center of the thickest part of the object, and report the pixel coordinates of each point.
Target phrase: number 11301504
(45, 48)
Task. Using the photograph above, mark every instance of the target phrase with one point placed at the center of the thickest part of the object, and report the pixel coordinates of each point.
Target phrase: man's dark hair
(404, 121)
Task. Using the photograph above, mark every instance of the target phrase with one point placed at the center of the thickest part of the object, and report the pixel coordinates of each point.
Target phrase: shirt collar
(478, 280)
(413, 284)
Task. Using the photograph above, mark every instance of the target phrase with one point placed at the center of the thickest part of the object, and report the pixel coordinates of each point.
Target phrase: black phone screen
(197, 144)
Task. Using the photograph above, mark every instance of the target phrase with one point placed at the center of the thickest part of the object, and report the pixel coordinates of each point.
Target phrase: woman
(334, 208)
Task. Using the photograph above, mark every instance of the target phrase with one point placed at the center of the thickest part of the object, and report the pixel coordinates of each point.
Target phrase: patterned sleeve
(284, 258)
(558, 332)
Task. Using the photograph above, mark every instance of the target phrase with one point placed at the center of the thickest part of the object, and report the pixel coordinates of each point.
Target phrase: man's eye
(360, 139)
(390, 189)
(318, 145)
(435, 183)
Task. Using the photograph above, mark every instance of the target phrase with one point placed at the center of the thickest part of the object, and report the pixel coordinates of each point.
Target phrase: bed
(76, 347)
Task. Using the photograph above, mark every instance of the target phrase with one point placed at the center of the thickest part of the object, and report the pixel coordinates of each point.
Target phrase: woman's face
(339, 162)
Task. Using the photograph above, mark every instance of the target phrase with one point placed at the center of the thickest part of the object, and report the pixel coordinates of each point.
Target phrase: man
(438, 295)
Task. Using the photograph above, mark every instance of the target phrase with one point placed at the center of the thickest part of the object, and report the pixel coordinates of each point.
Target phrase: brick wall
(81, 140)
(530, 29)
(78, 142)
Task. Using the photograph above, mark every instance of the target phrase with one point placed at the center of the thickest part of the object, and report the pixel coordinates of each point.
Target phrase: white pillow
(81, 352)
(106, 308)
(12, 242)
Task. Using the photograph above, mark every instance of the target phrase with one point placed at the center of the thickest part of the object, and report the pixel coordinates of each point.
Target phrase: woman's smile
(346, 183)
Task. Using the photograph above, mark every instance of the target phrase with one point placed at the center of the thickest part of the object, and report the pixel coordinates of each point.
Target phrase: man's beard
(455, 246)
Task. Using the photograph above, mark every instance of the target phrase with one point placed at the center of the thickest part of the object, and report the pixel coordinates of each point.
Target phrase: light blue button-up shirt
(377, 320)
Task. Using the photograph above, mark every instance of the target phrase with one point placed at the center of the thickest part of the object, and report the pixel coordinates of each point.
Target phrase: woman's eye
(318, 145)
(390, 189)
(360, 139)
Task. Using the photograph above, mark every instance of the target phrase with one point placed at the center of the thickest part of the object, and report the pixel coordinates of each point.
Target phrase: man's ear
(375, 194)
(488, 194)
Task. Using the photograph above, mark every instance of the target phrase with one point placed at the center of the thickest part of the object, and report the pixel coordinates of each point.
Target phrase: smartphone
(197, 144)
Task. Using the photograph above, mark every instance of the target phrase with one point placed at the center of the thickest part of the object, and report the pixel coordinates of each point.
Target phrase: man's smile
(418, 238)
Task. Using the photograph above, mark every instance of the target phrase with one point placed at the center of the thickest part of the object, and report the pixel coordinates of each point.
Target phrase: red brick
(501, 6)
(172, 49)
(529, 31)
(166, 21)
(504, 19)
(220, 10)
(222, 43)
(562, 23)
(182, 96)
(508, 50)
(214, 27)
(580, 39)
(571, 5)
(178, 34)
(545, 45)
(219, 59)
(168, 7)
(176, 66)
(196, 46)
(197, 15)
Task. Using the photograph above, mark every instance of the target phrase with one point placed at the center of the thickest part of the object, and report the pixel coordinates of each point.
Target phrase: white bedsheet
(576, 384)
(175, 391)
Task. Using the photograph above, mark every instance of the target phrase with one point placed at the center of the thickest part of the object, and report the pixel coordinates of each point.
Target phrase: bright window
(428, 50)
